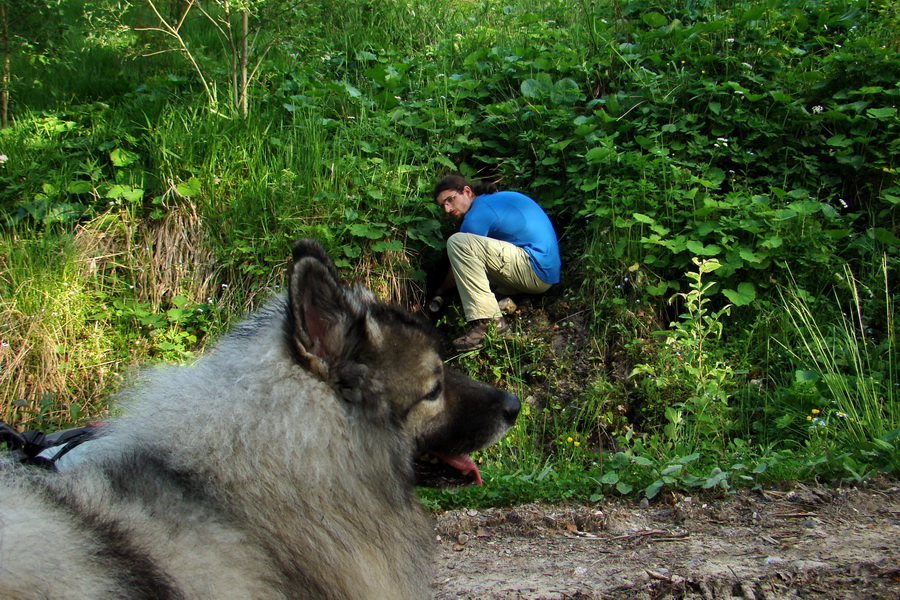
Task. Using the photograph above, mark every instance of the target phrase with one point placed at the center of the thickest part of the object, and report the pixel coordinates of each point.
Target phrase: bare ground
(808, 542)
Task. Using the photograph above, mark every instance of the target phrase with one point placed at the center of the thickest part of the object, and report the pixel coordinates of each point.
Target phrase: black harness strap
(27, 446)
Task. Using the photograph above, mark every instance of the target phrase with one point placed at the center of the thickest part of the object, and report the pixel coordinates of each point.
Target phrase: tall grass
(57, 359)
(654, 134)
(852, 368)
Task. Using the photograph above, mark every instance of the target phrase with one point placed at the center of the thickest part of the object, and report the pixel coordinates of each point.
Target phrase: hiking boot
(507, 306)
(474, 338)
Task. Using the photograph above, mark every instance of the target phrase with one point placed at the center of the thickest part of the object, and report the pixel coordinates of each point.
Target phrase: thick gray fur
(278, 465)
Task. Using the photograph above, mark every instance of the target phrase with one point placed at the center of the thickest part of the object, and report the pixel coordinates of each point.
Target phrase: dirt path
(805, 543)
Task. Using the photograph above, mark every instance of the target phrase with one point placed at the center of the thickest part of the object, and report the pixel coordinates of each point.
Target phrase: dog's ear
(307, 248)
(325, 321)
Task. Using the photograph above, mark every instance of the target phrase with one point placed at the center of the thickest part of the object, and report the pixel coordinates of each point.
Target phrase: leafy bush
(711, 168)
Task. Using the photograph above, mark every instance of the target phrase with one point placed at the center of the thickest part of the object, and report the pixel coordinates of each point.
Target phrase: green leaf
(744, 295)
(565, 92)
(610, 478)
(881, 113)
(772, 242)
(446, 162)
(177, 314)
(122, 158)
(612, 102)
(784, 421)
(715, 176)
(123, 191)
(653, 489)
(79, 187)
(699, 249)
(689, 458)
(885, 236)
(806, 207)
(538, 87)
(716, 477)
(367, 231)
(598, 154)
(839, 141)
(188, 188)
(624, 488)
(672, 470)
(750, 256)
(657, 290)
(810, 376)
(654, 19)
(352, 91)
(780, 97)
(393, 245)
(707, 266)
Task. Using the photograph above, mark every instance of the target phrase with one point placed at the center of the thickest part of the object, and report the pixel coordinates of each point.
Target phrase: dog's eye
(434, 393)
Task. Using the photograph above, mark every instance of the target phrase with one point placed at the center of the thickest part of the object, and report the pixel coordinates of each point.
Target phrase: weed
(136, 221)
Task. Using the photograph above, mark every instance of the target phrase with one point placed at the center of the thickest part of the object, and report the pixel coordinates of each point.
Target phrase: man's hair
(458, 182)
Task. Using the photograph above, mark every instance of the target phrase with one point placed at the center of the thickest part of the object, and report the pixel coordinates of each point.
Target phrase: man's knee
(459, 243)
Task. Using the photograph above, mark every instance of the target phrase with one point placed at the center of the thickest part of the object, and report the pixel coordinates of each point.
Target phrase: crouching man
(505, 243)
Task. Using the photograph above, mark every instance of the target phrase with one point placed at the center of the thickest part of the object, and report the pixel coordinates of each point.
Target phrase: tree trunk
(245, 32)
(5, 75)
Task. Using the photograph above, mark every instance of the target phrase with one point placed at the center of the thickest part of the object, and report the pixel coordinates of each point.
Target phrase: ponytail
(485, 187)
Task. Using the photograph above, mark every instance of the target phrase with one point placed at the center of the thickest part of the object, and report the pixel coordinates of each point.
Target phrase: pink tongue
(461, 462)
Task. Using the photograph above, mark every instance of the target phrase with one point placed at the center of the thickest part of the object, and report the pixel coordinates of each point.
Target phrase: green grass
(851, 375)
(139, 219)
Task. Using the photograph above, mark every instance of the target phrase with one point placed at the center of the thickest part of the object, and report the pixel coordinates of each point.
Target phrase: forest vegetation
(723, 176)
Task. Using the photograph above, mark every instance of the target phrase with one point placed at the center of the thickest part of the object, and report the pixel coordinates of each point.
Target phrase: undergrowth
(723, 177)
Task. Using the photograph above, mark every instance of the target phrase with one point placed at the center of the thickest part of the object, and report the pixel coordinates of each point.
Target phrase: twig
(658, 576)
(637, 535)
(672, 538)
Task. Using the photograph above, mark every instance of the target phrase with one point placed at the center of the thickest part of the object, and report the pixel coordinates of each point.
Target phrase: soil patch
(807, 542)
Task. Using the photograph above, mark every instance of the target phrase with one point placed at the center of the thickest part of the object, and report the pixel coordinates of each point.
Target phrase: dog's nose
(510, 406)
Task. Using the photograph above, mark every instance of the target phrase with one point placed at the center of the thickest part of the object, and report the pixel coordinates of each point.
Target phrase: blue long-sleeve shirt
(515, 218)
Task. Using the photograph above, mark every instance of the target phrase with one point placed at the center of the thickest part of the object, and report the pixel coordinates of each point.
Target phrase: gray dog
(279, 465)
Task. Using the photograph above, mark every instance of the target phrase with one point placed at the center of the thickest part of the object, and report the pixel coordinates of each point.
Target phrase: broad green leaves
(542, 87)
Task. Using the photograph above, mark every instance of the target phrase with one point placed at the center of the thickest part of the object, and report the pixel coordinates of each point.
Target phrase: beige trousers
(480, 263)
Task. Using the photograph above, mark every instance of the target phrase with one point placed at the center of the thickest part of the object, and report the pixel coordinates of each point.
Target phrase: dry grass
(60, 355)
(54, 360)
(381, 274)
(64, 343)
(174, 260)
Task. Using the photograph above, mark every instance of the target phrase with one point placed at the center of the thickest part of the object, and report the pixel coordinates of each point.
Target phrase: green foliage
(845, 379)
(730, 158)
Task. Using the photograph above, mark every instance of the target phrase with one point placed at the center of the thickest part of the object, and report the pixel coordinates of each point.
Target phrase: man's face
(455, 203)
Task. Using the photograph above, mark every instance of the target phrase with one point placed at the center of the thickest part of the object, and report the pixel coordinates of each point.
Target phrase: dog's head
(386, 362)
